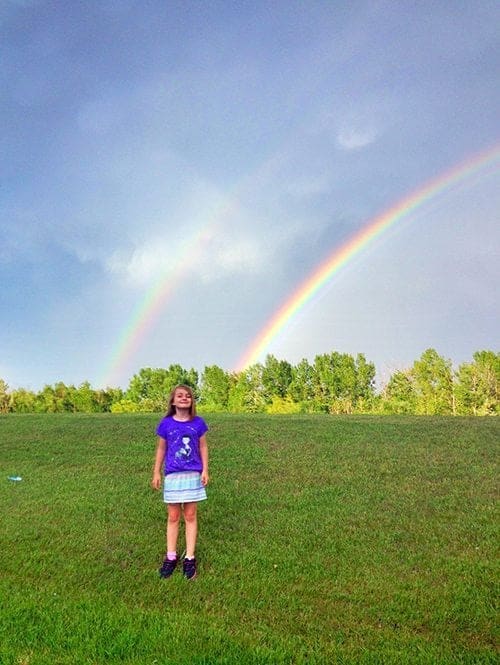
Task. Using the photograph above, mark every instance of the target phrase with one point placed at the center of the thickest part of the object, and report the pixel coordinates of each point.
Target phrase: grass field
(325, 539)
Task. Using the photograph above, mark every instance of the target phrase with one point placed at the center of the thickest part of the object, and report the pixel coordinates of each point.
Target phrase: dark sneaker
(189, 568)
(168, 567)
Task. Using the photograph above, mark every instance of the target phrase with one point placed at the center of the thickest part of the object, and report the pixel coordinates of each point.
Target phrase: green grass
(353, 540)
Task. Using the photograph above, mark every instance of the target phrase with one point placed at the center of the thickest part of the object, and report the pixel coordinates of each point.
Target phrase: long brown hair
(171, 410)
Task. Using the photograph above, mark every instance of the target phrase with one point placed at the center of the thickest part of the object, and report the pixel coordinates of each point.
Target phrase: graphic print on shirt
(184, 453)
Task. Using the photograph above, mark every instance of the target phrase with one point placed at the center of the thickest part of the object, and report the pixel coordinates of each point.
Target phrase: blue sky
(127, 128)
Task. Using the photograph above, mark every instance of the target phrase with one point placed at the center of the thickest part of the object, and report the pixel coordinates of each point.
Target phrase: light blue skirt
(183, 487)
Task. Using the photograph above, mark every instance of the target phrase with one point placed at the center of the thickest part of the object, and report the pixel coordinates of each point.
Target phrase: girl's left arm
(204, 459)
(159, 458)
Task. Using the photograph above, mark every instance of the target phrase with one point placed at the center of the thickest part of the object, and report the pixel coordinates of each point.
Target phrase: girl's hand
(156, 482)
(204, 478)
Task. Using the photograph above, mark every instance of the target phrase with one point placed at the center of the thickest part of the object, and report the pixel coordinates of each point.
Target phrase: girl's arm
(204, 459)
(159, 457)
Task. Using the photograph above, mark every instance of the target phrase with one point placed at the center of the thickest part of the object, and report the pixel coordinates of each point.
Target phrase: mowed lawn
(325, 539)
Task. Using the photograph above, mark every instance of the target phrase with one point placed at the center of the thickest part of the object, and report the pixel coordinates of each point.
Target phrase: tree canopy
(333, 383)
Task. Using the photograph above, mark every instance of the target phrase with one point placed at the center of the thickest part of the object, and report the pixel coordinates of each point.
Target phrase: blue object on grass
(16, 479)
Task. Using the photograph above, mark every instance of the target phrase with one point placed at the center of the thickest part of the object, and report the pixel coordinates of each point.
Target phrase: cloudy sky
(170, 172)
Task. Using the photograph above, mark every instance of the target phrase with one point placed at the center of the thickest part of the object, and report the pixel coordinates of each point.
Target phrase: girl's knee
(174, 513)
(190, 512)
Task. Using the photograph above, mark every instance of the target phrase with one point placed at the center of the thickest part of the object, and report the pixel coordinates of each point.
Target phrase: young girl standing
(182, 450)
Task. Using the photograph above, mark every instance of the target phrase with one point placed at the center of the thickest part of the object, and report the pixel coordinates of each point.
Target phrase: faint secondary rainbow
(341, 256)
(150, 307)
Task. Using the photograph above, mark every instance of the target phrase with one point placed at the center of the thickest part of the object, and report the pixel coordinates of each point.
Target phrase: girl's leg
(173, 519)
(190, 518)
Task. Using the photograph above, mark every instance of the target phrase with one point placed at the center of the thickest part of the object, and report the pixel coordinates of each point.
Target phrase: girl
(182, 449)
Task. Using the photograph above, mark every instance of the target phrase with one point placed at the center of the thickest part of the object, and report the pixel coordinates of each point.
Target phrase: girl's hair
(171, 410)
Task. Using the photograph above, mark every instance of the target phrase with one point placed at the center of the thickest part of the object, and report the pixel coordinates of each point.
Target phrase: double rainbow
(153, 302)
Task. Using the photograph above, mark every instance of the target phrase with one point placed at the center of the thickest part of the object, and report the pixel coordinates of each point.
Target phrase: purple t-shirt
(183, 443)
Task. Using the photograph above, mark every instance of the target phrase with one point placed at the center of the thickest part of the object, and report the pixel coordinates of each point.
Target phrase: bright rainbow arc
(341, 256)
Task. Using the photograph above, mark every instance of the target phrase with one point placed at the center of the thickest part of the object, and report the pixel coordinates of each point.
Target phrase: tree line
(332, 383)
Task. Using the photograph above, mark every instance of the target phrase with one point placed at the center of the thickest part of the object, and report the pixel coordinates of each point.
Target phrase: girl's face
(182, 399)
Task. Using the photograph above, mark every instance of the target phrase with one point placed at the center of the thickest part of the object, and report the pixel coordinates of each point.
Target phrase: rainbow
(341, 256)
(148, 310)
(153, 302)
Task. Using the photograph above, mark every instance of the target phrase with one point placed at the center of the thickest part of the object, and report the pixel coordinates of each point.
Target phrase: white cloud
(355, 138)
(140, 266)
(231, 256)
(210, 258)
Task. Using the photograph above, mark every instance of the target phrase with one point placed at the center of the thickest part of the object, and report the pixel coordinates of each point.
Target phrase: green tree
(301, 388)
(149, 383)
(433, 382)
(365, 381)
(246, 393)
(107, 397)
(324, 382)
(84, 399)
(399, 395)
(54, 399)
(45, 401)
(5, 398)
(335, 382)
(478, 385)
(23, 401)
(151, 387)
(276, 377)
(125, 405)
(283, 405)
(343, 384)
(214, 391)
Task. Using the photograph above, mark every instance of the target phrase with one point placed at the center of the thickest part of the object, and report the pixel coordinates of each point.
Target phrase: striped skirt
(183, 487)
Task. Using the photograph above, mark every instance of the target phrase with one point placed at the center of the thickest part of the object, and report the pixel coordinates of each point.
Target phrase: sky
(171, 172)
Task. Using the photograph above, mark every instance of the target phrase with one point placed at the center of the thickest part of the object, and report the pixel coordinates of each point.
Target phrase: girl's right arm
(159, 457)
